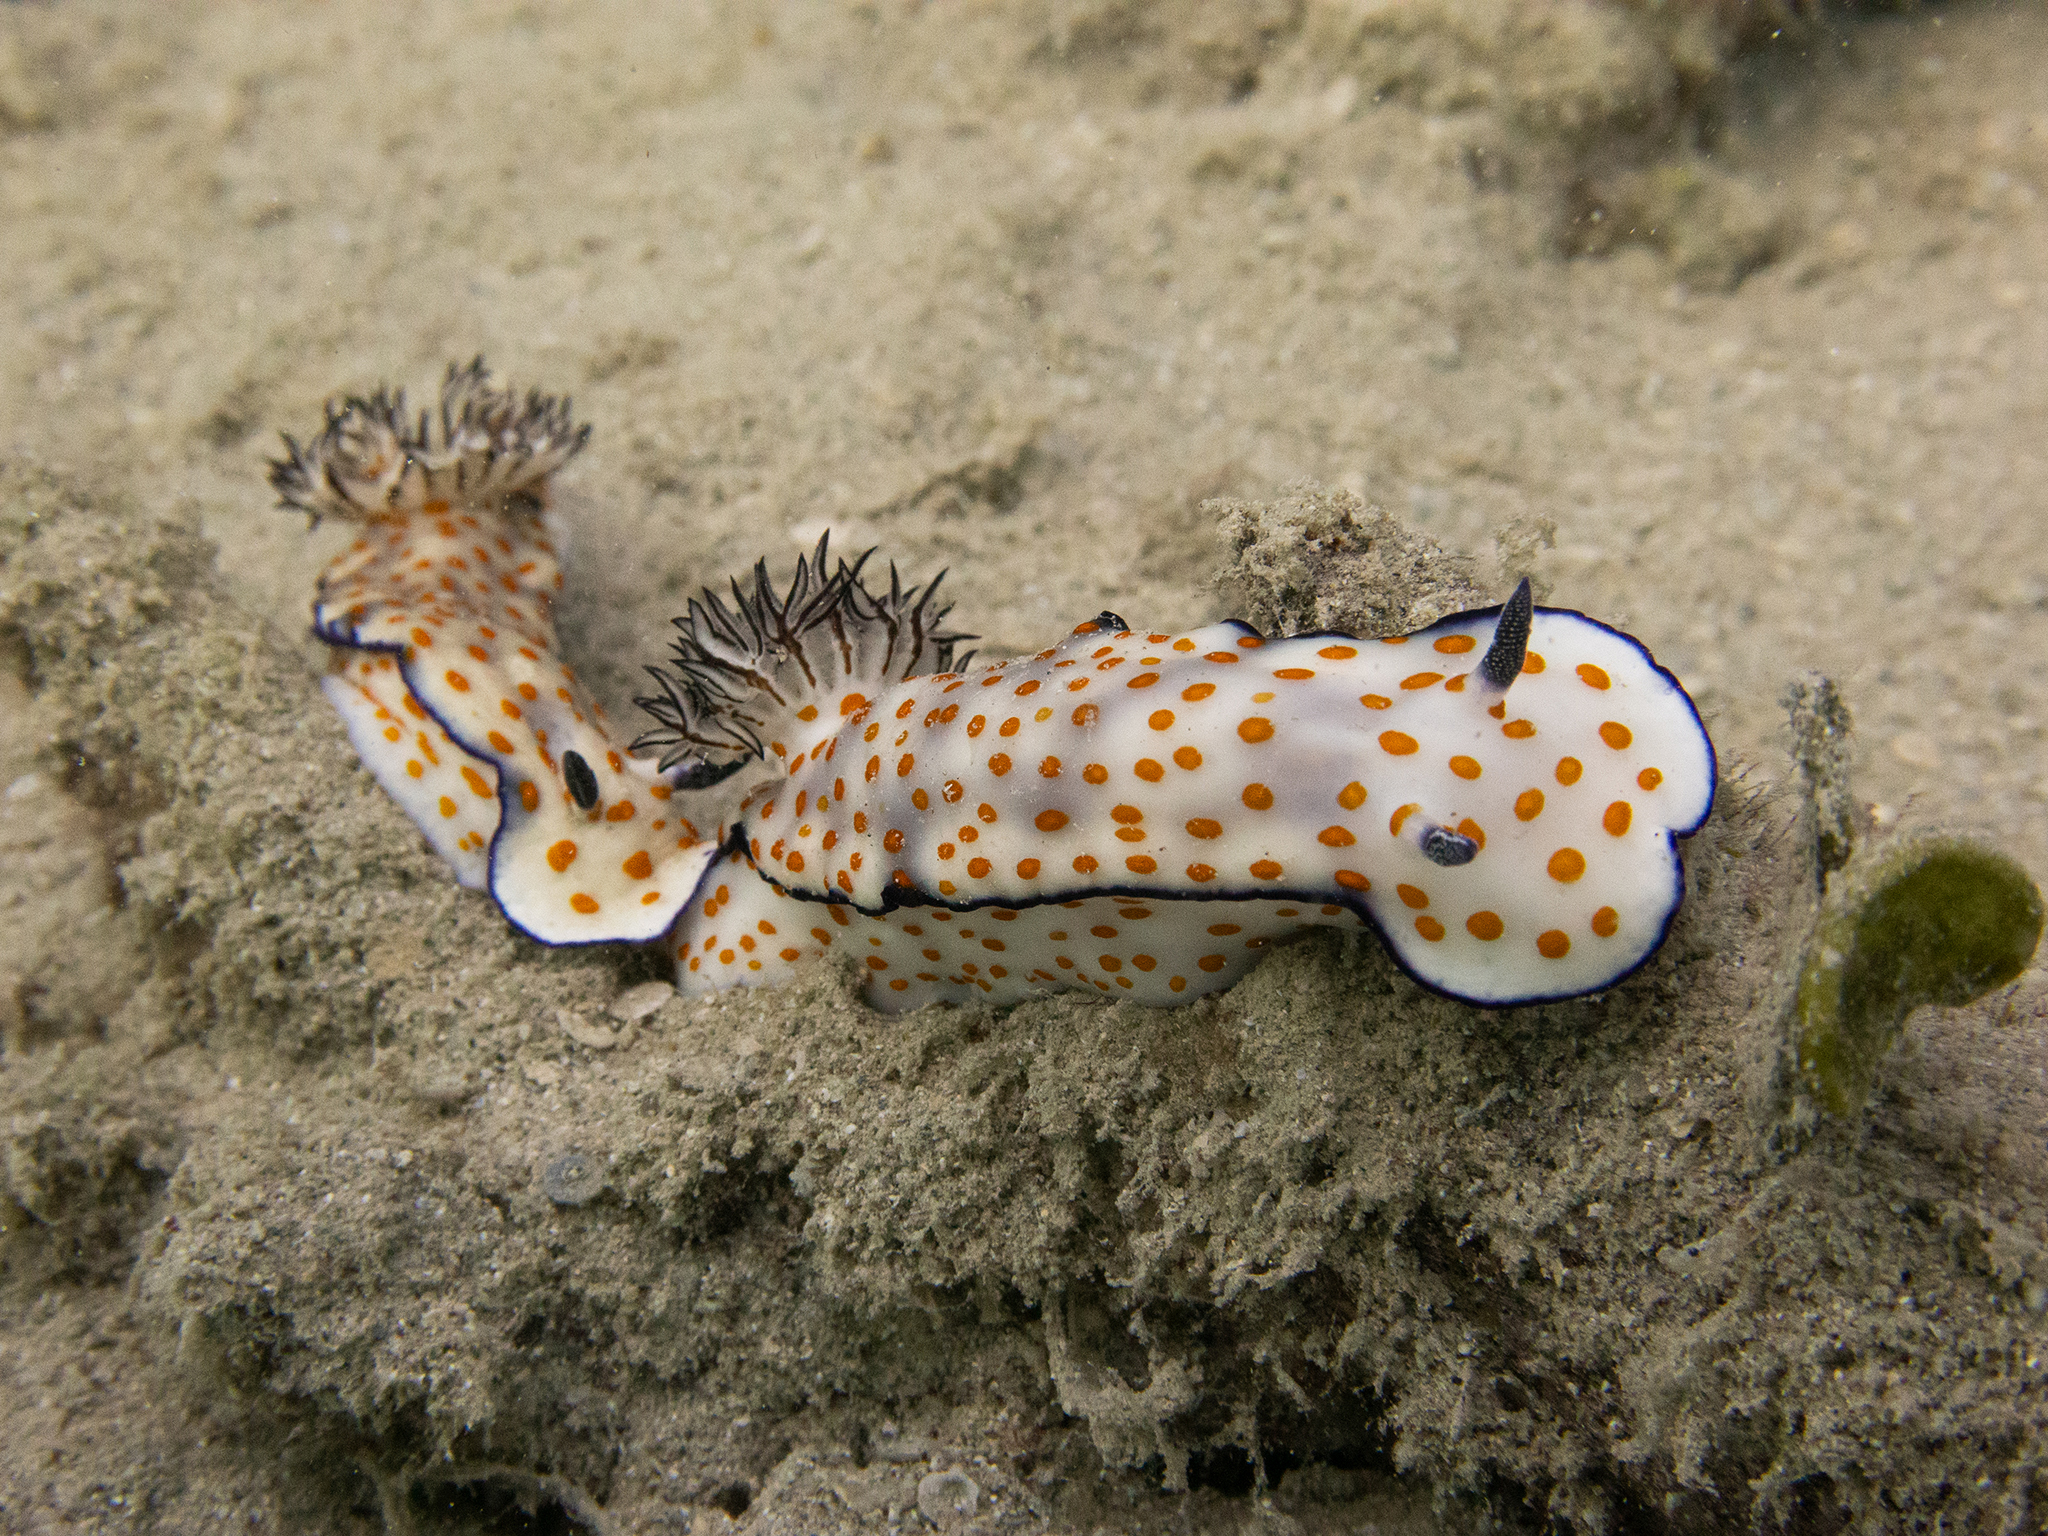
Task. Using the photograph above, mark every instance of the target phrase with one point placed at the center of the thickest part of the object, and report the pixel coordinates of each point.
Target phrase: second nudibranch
(1141, 814)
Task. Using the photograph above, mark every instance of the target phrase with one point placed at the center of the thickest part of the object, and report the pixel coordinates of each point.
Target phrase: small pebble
(635, 1003)
(573, 1180)
(594, 1036)
(947, 1498)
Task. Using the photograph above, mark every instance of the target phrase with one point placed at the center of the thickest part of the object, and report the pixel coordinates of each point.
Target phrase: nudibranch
(1126, 813)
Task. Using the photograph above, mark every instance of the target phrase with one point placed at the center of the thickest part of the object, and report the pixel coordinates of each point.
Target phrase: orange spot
(1606, 922)
(1087, 715)
(528, 692)
(447, 806)
(1027, 869)
(479, 653)
(1397, 743)
(529, 796)
(1465, 767)
(1294, 674)
(1566, 865)
(1188, 758)
(1351, 796)
(1223, 656)
(1412, 895)
(1160, 719)
(1616, 818)
(1649, 778)
(1149, 769)
(1615, 734)
(1201, 874)
(1095, 773)
(974, 726)
(1211, 962)
(1352, 880)
(422, 639)
(1429, 928)
(1197, 692)
(1257, 797)
(393, 733)
(583, 903)
(1470, 828)
(920, 799)
(1455, 645)
(999, 764)
(1139, 864)
(1592, 676)
(1485, 925)
(1553, 944)
(1010, 726)
(979, 868)
(1049, 769)
(1335, 837)
(853, 703)
(1337, 652)
(1266, 869)
(1375, 701)
(1518, 730)
(512, 711)
(1421, 680)
(639, 866)
(623, 811)
(1394, 821)
(497, 740)
(795, 861)
(1456, 684)
(1129, 815)
(1256, 728)
(476, 783)
(1533, 662)
(457, 681)
(1202, 826)
(1569, 769)
(1144, 962)
(1143, 680)
(904, 764)
(1085, 864)
(1045, 821)
(561, 855)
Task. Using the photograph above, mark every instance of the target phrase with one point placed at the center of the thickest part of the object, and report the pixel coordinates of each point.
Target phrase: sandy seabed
(1727, 325)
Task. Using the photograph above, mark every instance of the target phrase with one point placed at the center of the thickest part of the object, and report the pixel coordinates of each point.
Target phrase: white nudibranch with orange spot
(1126, 814)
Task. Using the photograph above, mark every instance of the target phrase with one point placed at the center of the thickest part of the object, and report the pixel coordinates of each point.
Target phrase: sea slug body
(1126, 813)
(448, 674)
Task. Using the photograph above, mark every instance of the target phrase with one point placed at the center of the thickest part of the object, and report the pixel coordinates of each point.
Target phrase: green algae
(1933, 920)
